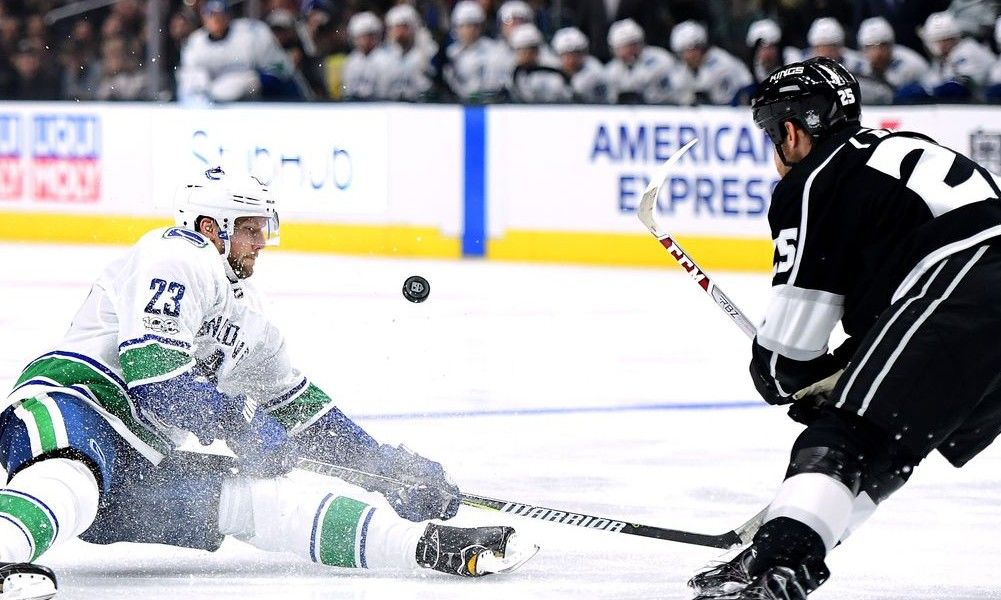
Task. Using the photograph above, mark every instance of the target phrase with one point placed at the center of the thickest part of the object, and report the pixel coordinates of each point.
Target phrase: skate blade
(515, 555)
(27, 586)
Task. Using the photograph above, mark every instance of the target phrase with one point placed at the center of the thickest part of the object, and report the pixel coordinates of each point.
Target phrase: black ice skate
(472, 552)
(723, 581)
(25, 581)
(783, 583)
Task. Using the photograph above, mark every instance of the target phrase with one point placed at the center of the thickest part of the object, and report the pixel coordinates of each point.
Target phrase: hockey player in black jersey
(896, 237)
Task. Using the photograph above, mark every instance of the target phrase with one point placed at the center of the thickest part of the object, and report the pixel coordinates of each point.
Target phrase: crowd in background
(681, 52)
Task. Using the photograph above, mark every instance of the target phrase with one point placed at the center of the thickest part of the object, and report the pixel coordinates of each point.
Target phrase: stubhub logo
(66, 157)
(11, 173)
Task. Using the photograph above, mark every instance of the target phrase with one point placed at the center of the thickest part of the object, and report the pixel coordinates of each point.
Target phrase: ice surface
(614, 392)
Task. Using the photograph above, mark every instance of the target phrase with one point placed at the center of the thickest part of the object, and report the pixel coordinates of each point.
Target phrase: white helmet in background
(765, 31)
(687, 35)
(875, 30)
(226, 198)
(826, 31)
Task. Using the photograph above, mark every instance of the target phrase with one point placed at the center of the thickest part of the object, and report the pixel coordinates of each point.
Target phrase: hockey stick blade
(730, 539)
(645, 214)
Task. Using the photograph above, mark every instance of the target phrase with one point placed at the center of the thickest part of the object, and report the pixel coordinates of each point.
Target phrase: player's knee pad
(854, 452)
(49, 501)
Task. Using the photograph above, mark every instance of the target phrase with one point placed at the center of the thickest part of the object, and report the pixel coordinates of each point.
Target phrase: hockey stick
(645, 214)
(735, 537)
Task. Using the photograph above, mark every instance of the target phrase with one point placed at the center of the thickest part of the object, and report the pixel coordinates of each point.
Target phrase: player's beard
(243, 266)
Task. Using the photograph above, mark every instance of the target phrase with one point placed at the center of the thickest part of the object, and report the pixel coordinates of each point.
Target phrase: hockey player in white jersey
(641, 74)
(172, 342)
(764, 38)
(476, 69)
(826, 37)
(233, 59)
(586, 73)
(368, 63)
(409, 73)
(511, 15)
(889, 66)
(960, 67)
(718, 75)
(993, 91)
(531, 81)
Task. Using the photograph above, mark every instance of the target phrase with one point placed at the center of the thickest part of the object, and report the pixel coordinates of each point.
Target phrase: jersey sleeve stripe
(799, 321)
(150, 338)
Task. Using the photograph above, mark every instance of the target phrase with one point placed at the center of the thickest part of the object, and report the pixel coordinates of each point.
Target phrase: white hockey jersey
(720, 76)
(906, 67)
(365, 76)
(655, 78)
(967, 60)
(164, 308)
(223, 69)
(540, 85)
(408, 75)
(589, 84)
(476, 69)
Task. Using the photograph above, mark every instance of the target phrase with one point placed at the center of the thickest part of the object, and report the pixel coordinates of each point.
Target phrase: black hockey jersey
(855, 224)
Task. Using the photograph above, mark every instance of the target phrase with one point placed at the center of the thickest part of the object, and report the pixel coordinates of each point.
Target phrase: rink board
(552, 184)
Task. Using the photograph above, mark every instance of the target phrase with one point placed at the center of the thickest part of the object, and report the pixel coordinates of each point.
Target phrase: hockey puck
(416, 288)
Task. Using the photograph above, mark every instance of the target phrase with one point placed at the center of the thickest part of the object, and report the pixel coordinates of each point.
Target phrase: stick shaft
(729, 539)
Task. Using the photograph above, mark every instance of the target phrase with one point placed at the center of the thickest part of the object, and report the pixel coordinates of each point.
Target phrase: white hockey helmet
(764, 30)
(525, 36)
(875, 30)
(826, 31)
(569, 39)
(624, 32)
(226, 198)
(686, 35)
(515, 10)
(364, 23)
(467, 12)
(403, 14)
(940, 26)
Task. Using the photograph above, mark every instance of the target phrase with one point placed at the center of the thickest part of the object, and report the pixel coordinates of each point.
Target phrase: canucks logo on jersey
(186, 234)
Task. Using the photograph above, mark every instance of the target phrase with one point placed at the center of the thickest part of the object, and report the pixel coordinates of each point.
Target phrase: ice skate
(26, 581)
(783, 583)
(474, 551)
(724, 580)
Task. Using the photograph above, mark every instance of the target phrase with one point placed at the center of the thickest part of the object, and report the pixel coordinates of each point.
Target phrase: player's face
(693, 57)
(878, 55)
(468, 33)
(768, 55)
(628, 53)
(572, 61)
(831, 51)
(249, 236)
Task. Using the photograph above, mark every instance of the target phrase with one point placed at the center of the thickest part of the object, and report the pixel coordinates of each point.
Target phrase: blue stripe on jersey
(316, 525)
(364, 538)
(155, 338)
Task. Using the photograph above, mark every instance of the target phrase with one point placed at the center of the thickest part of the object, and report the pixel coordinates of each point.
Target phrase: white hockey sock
(817, 500)
(324, 523)
(50, 501)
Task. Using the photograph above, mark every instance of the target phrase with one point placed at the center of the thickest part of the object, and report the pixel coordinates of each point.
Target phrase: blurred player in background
(585, 72)
(896, 237)
(642, 74)
(172, 342)
(717, 74)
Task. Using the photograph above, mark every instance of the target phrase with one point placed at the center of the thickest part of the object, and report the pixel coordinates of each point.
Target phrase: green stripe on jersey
(109, 395)
(43, 423)
(151, 362)
(36, 520)
(339, 531)
(303, 408)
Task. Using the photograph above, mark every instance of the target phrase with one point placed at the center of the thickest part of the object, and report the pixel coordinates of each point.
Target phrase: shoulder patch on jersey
(196, 239)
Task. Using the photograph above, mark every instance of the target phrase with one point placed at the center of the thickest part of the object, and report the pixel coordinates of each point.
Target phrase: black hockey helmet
(818, 94)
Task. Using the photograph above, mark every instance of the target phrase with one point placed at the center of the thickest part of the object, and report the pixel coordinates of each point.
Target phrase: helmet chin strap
(230, 273)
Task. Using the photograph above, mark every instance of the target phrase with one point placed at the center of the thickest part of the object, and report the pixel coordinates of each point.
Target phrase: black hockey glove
(424, 491)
